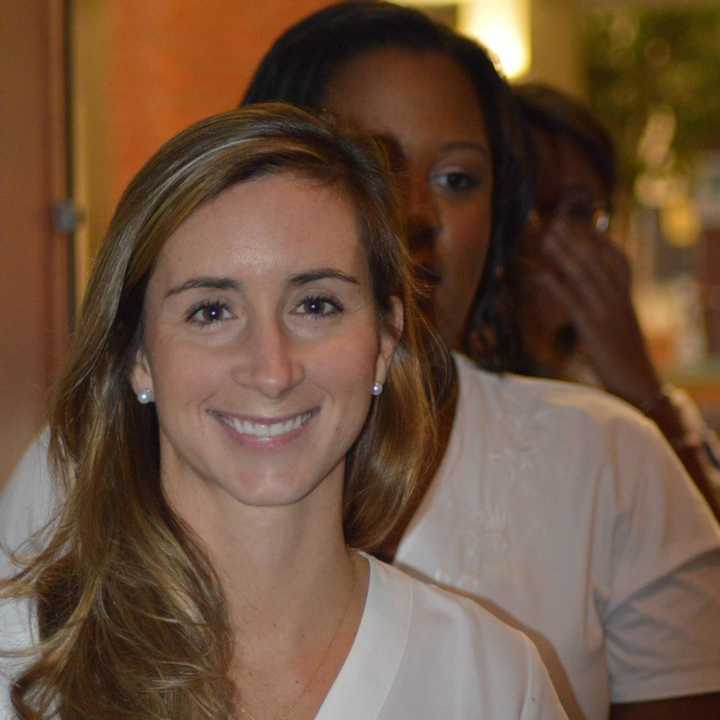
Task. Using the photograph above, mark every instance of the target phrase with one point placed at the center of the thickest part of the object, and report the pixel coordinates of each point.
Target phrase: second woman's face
(426, 108)
(261, 344)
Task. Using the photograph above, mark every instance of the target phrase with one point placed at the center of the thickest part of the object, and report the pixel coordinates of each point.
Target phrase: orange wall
(175, 61)
(33, 289)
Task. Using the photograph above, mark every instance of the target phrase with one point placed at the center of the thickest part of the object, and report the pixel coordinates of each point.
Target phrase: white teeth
(266, 430)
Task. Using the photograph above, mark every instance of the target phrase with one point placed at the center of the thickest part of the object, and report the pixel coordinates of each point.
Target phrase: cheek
(467, 239)
(184, 373)
(345, 369)
(463, 246)
(467, 234)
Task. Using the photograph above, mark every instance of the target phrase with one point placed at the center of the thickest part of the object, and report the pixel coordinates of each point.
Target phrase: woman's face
(261, 344)
(570, 193)
(426, 108)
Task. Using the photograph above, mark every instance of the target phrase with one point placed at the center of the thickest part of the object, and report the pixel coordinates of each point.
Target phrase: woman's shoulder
(17, 625)
(527, 393)
(547, 414)
(452, 614)
(28, 499)
(454, 643)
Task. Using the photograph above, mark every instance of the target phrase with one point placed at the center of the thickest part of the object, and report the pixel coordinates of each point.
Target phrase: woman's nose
(422, 215)
(270, 363)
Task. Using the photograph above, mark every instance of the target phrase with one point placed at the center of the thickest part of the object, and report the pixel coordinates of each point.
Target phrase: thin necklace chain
(286, 713)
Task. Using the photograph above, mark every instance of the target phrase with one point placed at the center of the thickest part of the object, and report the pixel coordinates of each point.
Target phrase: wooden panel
(33, 291)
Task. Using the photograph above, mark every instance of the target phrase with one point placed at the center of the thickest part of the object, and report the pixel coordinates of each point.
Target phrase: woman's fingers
(590, 278)
(581, 267)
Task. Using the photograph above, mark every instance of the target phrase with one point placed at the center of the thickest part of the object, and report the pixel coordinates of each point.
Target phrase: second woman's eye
(318, 307)
(209, 313)
(455, 181)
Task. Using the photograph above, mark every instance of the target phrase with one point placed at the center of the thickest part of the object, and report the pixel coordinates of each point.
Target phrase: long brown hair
(132, 619)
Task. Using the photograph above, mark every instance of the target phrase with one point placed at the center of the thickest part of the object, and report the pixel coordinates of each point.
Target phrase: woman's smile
(265, 432)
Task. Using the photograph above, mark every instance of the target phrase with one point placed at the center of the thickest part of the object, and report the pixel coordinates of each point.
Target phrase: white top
(565, 511)
(17, 632)
(423, 654)
(419, 654)
(27, 500)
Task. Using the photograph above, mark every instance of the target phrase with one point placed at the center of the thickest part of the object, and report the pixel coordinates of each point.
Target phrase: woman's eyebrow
(206, 281)
(225, 283)
(322, 274)
(467, 145)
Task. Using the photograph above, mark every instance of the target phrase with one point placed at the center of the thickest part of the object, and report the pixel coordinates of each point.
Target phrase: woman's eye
(209, 313)
(318, 307)
(456, 181)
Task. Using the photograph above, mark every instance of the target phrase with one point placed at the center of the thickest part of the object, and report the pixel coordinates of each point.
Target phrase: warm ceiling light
(502, 26)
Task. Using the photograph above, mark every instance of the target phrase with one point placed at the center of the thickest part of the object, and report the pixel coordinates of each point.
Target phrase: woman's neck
(264, 555)
(277, 581)
(294, 628)
(290, 676)
(551, 355)
(294, 592)
(293, 589)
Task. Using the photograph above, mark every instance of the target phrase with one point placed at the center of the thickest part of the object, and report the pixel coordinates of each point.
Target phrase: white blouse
(421, 653)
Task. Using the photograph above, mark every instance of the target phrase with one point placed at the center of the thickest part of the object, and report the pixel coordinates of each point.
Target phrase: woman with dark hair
(555, 505)
(563, 509)
(247, 405)
(573, 289)
(309, 66)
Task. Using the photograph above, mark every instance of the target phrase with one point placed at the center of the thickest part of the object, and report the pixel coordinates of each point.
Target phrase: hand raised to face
(588, 276)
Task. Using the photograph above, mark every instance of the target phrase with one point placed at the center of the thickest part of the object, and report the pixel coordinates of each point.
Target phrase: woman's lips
(265, 431)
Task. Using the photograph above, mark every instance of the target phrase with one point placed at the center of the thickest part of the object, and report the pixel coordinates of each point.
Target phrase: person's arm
(687, 438)
(590, 276)
(695, 707)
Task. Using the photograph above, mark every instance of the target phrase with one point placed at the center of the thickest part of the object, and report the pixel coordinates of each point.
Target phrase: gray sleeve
(29, 497)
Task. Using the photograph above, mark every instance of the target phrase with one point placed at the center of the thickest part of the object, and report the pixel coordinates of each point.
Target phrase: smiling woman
(251, 302)
(249, 402)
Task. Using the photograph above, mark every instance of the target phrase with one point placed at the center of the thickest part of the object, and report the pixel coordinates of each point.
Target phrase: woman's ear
(140, 375)
(390, 332)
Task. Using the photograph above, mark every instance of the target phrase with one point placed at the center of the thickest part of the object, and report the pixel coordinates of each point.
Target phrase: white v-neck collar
(367, 676)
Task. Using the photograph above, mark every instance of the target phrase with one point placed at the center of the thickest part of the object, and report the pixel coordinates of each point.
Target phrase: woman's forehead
(418, 97)
(276, 222)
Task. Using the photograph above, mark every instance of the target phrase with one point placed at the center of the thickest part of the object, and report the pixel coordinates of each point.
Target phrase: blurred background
(91, 88)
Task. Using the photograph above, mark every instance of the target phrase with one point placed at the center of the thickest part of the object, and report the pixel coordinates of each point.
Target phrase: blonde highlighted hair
(131, 616)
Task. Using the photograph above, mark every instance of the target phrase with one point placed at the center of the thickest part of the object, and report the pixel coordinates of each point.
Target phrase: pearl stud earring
(145, 396)
(377, 389)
